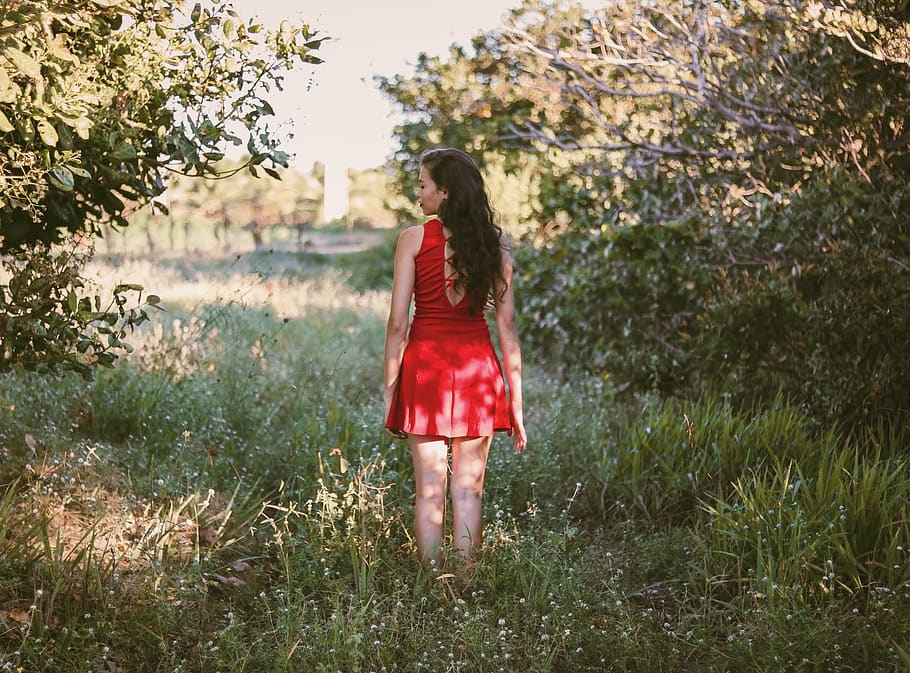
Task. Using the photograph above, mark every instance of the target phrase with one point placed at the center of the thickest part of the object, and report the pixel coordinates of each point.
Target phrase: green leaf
(62, 178)
(27, 129)
(9, 90)
(75, 121)
(124, 287)
(82, 128)
(124, 151)
(56, 47)
(23, 62)
(48, 133)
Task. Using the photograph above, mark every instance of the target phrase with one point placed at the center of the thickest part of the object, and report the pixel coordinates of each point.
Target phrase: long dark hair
(466, 212)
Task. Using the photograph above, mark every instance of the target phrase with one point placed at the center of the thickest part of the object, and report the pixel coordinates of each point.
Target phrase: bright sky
(343, 120)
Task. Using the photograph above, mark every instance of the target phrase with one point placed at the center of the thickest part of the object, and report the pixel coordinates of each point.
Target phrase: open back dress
(450, 383)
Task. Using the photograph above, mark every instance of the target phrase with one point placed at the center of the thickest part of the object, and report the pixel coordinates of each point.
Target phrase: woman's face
(429, 196)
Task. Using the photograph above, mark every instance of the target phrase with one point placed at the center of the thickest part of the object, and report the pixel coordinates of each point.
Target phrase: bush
(797, 530)
(675, 454)
(804, 297)
(48, 322)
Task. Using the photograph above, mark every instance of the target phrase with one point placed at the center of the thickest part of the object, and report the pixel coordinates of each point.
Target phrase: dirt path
(334, 243)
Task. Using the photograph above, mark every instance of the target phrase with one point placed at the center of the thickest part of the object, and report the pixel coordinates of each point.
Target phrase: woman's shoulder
(411, 238)
(505, 249)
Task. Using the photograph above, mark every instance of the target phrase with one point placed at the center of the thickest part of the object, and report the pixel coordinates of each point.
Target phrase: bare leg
(430, 456)
(469, 462)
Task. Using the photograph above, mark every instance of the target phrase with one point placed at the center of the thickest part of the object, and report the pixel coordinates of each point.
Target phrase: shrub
(795, 530)
(674, 453)
(47, 320)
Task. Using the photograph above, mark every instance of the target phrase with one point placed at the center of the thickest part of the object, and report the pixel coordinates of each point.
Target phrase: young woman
(443, 381)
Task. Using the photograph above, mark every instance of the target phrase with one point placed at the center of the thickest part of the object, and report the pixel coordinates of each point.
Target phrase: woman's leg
(469, 462)
(430, 456)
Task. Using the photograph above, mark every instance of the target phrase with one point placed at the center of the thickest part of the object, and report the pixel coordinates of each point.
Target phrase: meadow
(224, 500)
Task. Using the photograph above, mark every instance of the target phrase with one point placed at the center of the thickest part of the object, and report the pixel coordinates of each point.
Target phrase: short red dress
(450, 383)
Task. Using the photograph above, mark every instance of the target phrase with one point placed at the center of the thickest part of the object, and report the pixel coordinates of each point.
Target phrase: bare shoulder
(505, 251)
(410, 239)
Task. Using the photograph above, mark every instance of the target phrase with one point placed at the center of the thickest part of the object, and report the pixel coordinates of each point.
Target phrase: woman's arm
(511, 349)
(402, 290)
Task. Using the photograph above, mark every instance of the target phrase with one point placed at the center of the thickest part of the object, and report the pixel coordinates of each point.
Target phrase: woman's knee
(467, 488)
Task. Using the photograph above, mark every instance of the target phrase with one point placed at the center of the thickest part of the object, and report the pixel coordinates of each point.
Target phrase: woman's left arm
(511, 349)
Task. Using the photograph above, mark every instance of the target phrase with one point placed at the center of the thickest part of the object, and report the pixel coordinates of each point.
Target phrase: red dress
(450, 383)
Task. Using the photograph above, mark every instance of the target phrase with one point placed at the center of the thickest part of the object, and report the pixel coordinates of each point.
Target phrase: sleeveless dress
(450, 383)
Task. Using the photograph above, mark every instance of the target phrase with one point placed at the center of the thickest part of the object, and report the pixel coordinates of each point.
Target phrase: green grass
(225, 500)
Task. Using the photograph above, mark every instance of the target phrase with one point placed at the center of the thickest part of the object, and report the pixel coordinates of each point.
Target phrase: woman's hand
(519, 434)
(387, 395)
(521, 438)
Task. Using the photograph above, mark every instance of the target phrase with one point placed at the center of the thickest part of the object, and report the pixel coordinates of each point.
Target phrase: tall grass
(225, 500)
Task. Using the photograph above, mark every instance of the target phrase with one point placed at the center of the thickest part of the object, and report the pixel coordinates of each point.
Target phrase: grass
(224, 500)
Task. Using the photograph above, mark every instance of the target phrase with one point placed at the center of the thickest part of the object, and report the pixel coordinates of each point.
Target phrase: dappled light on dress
(451, 381)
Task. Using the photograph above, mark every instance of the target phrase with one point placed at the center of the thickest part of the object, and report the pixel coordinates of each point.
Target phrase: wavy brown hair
(476, 238)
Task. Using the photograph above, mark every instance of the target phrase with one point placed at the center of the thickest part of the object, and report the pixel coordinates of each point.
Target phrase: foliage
(47, 322)
(472, 100)
(98, 101)
(788, 512)
(718, 189)
(793, 531)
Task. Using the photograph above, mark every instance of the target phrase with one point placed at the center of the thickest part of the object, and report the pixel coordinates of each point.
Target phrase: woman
(443, 382)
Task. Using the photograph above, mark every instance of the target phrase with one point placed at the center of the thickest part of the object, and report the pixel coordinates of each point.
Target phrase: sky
(343, 120)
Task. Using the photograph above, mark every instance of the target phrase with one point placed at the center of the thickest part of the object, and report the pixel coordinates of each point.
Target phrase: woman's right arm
(511, 349)
(397, 327)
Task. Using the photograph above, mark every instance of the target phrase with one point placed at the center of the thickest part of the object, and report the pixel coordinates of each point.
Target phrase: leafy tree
(474, 99)
(720, 189)
(100, 101)
(763, 149)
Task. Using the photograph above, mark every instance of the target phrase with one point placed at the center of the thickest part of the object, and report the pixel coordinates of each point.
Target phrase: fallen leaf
(209, 535)
(17, 615)
(293, 649)
(30, 441)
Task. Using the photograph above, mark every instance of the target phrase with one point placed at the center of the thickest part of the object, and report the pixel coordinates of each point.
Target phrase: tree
(720, 186)
(763, 150)
(99, 102)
